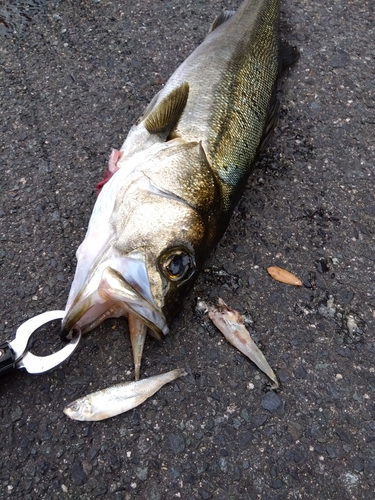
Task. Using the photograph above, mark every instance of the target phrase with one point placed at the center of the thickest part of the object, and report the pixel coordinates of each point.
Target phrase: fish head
(150, 231)
(160, 247)
(81, 409)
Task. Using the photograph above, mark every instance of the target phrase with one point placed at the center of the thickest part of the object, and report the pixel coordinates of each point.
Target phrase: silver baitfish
(230, 323)
(169, 192)
(119, 398)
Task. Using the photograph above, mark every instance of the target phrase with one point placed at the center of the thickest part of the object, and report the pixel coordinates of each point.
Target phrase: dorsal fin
(149, 108)
(221, 18)
(164, 117)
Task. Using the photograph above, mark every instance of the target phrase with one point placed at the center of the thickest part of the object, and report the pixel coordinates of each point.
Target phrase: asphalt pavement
(74, 76)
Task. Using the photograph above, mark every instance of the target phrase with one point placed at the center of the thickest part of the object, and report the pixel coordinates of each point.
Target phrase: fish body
(173, 185)
(118, 398)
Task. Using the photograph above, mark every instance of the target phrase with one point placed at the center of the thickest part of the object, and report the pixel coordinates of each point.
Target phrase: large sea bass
(178, 176)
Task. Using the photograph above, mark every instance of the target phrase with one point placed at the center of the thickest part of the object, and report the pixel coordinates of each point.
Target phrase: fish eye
(177, 265)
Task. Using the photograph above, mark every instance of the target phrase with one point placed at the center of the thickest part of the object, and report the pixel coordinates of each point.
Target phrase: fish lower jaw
(99, 312)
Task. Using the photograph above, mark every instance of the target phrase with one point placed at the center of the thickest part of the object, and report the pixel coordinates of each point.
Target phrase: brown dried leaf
(279, 274)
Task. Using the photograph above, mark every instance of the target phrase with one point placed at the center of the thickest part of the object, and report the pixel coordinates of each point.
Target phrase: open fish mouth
(109, 293)
(113, 298)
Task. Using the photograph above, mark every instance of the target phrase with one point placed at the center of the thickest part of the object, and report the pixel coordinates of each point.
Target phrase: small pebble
(176, 443)
(271, 402)
(16, 413)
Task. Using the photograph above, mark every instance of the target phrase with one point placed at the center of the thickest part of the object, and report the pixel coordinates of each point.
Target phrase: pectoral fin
(272, 117)
(164, 117)
(289, 55)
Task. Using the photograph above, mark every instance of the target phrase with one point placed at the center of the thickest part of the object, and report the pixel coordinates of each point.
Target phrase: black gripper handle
(7, 359)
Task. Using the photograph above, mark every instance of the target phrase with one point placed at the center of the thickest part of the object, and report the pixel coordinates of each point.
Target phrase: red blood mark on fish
(112, 168)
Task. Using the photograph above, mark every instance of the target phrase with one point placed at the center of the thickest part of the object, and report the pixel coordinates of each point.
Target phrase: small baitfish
(169, 192)
(230, 323)
(118, 398)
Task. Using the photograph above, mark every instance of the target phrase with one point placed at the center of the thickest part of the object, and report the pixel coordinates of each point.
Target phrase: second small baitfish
(170, 191)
